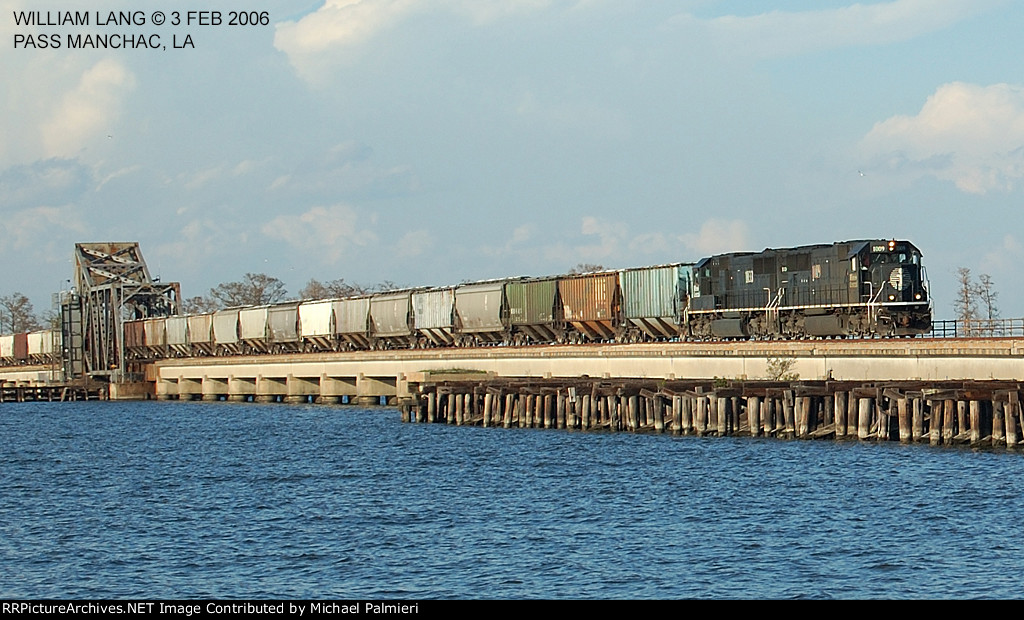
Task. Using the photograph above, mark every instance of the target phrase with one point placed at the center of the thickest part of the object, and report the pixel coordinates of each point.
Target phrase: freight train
(867, 288)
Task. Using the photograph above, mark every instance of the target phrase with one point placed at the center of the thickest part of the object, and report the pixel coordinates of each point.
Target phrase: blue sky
(435, 141)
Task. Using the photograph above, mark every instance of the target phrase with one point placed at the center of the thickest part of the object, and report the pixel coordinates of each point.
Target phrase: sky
(432, 142)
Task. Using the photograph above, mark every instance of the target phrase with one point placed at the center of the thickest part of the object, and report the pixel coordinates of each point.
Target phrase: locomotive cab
(892, 283)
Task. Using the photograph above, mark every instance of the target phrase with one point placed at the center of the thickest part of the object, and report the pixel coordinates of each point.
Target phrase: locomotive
(864, 288)
(858, 288)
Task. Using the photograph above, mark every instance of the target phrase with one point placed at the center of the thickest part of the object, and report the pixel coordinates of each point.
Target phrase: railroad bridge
(964, 386)
(945, 391)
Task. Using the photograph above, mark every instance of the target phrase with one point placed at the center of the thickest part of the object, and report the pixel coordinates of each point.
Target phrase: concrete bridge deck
(396, 373)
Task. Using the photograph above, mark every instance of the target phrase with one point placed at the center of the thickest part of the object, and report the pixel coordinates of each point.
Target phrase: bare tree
(987, 297)
(331, 289)
(17, 315)
(50, 319)
(200, 305)
(965, 303)
(256, 289)
(582, 268)
(338, 288)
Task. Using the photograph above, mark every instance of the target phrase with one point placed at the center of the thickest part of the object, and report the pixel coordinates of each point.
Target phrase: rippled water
(220, 500)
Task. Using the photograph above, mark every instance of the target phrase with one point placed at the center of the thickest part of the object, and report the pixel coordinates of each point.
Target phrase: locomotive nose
(898, 278)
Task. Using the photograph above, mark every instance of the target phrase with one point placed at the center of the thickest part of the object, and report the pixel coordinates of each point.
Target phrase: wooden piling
(754, 415)
(948, 420)
(865, 406)
(788, 412)
(802, 410)
(975, 417)
(998, 423)
(903, 414)
(1013, 427)
(839, 413)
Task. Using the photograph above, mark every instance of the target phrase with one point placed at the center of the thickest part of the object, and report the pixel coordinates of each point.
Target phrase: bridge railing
(977, 328)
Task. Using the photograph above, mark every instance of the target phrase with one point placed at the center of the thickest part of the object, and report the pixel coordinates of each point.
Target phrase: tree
(965, 304)
(987, 297)
(17, 315)
(50, 319)
(338, 288)
(331, 289)
(256, 289)
(975, 301)
(582, 268)
(200, 305)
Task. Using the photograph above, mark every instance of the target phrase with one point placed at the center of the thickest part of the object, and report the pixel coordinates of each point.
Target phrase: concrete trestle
(266, 387)
(976, 413)
(368, 376)
(943, 391)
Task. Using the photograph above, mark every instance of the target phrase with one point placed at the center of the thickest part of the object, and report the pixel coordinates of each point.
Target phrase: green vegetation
(781, 369)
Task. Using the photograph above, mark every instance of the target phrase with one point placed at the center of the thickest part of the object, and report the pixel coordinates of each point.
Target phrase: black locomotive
(852, 288)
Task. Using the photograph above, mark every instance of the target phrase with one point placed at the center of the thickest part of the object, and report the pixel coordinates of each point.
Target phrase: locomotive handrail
(873, 304)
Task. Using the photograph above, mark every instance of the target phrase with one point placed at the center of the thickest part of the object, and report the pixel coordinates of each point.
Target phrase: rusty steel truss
(112, 285)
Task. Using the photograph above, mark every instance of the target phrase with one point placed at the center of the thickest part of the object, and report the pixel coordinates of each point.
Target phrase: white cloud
(414, 243)
(56, 103)
(1004, 257)
(44, 182)
(332, 33)
(582, 115)
(612, 242)
(342, 170)
(35, 229)
(717, 236)
(968, 134)
(86, 112)
(196, 244)
(610, 237)
(781, 33)
(516, 246)
(122, 172)
(326, 231)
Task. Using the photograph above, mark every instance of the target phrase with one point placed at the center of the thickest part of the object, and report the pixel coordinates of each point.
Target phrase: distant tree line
(260, 289)
(582, 268)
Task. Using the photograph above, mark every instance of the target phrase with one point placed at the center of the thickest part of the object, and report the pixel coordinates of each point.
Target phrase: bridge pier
(214, 388)
(241, 389)
(301, 390)
(190, 389)
(166, 389)
(270, 389)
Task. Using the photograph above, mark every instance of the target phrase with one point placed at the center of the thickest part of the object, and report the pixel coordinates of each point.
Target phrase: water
(221, 500)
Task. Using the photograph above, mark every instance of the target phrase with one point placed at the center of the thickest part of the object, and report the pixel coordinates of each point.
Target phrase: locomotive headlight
(892, 298)
(918, 296)
(892, 245)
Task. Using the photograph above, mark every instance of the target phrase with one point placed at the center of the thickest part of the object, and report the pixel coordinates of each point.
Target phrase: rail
(977, 328)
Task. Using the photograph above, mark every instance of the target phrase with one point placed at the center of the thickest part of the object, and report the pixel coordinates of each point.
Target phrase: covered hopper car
(38, 347)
